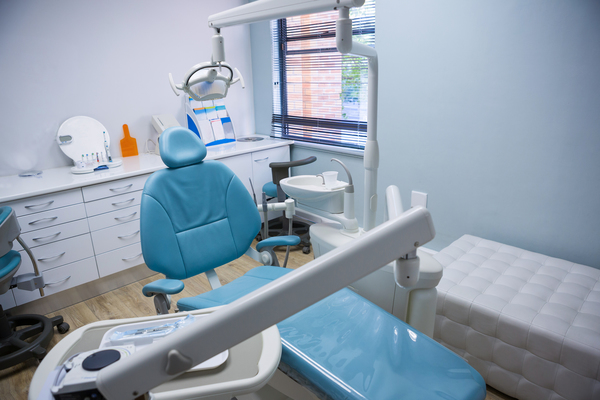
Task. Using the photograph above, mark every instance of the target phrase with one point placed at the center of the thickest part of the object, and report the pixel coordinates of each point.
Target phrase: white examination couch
(528, 323)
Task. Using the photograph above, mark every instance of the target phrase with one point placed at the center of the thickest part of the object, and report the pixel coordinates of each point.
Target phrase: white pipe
(371, 155)
(137, 374)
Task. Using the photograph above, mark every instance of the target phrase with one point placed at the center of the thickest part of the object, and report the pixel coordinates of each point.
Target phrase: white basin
(310, 190)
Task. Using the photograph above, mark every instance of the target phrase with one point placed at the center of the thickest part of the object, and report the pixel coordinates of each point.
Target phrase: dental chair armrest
(164, 286)
(278, 241)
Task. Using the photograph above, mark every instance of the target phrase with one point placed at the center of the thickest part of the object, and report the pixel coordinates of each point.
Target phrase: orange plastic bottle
(128, 144)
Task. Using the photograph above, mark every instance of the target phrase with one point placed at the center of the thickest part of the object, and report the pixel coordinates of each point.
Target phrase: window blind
(320, 95)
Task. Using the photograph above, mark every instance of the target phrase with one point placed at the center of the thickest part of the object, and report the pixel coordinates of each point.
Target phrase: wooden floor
(128, 302)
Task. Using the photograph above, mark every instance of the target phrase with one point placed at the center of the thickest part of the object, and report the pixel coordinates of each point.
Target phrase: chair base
(301, 229)
(15, 332)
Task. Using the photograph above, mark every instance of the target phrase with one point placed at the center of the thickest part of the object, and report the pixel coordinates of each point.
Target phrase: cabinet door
(114, 188)
(120, 259)
(261, 172)
(240, 165)
(116, 236)
(55, 254)
(32, 205)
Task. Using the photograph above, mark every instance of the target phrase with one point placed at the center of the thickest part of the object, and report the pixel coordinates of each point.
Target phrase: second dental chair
(197, 215)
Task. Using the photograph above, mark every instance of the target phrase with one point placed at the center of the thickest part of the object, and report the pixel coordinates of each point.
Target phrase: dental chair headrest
(180, 147)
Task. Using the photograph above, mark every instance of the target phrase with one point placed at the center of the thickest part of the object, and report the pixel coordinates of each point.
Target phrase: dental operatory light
(209, 80)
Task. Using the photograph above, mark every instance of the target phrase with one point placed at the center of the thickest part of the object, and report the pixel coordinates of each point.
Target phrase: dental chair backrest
(196, 215)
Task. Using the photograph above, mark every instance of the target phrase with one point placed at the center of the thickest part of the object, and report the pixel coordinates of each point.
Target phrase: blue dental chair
(197, 215)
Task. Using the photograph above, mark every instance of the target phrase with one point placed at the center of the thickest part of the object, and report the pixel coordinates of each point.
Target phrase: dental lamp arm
(266, 10)
(249, 315)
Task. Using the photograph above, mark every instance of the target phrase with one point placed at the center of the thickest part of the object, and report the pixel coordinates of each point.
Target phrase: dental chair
(16, 331)
(280, 226)
(197, 215)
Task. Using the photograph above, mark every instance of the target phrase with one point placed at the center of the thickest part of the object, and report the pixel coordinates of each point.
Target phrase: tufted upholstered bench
(530, 324)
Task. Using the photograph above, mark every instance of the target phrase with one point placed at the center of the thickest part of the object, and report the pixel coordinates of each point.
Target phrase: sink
(310, 190)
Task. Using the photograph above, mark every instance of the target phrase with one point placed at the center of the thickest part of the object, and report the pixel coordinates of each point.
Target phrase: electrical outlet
(418, 199)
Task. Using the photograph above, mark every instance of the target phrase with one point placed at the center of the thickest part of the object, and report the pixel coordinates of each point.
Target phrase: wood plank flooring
(129, 302)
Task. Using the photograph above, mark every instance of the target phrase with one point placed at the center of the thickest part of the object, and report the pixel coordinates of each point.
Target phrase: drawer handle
(40, 205)
(130, 235)
(121, 188)
(53, 257)
(47, 237)
(124, 202)
(131, 258)
(42, 220)
(125, 217)
(57, 282)
(261, 159)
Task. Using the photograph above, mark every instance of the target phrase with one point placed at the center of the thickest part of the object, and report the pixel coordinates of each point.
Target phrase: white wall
(493, 109)
(108, 60)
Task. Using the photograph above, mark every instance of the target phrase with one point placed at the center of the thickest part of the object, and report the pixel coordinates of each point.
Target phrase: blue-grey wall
(493, 109)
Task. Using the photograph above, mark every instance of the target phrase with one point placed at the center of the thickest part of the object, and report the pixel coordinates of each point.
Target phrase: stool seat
(9, 263)
(270, 189)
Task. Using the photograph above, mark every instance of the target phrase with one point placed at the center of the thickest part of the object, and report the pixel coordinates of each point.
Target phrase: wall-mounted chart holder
(210, 121)
(87, 142)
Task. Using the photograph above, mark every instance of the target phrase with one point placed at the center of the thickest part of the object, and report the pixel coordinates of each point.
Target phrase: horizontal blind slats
(319, 95)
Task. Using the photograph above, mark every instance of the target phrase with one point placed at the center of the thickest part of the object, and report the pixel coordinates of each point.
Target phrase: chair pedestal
(14, 346)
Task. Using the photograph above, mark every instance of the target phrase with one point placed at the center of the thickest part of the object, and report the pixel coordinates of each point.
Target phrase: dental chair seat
(345, 347)
(252, 280)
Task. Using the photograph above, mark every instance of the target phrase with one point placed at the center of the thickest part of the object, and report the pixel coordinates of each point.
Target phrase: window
(320, 95)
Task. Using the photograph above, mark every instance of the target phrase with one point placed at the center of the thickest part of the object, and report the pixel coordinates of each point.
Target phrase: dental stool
(280, 226)
(195, 216)
(16, 330)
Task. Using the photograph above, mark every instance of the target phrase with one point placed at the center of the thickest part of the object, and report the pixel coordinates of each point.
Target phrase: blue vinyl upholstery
(363, 352)
(9, 262)
(270, 189)
(195, 216)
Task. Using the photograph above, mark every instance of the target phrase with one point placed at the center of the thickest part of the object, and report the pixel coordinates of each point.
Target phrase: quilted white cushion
(530, 324)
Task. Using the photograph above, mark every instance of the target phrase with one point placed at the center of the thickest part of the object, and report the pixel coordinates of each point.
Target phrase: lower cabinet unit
(119, 259)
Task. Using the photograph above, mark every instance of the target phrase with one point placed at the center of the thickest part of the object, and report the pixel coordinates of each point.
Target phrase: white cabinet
(261, 171)
(239, 166)
(114, 218)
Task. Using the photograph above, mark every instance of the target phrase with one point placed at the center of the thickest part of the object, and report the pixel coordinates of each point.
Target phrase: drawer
(120, 259)
(55, 254)
(46, 219)
(113, 203)
(116, 237)
(114, 188)
(240, 165)
(61, 278)
(114, 218)
(53, 234)
(45, 202)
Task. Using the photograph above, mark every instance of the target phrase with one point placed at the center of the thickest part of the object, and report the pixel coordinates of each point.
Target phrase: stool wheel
(306, 249)
(63, 328)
